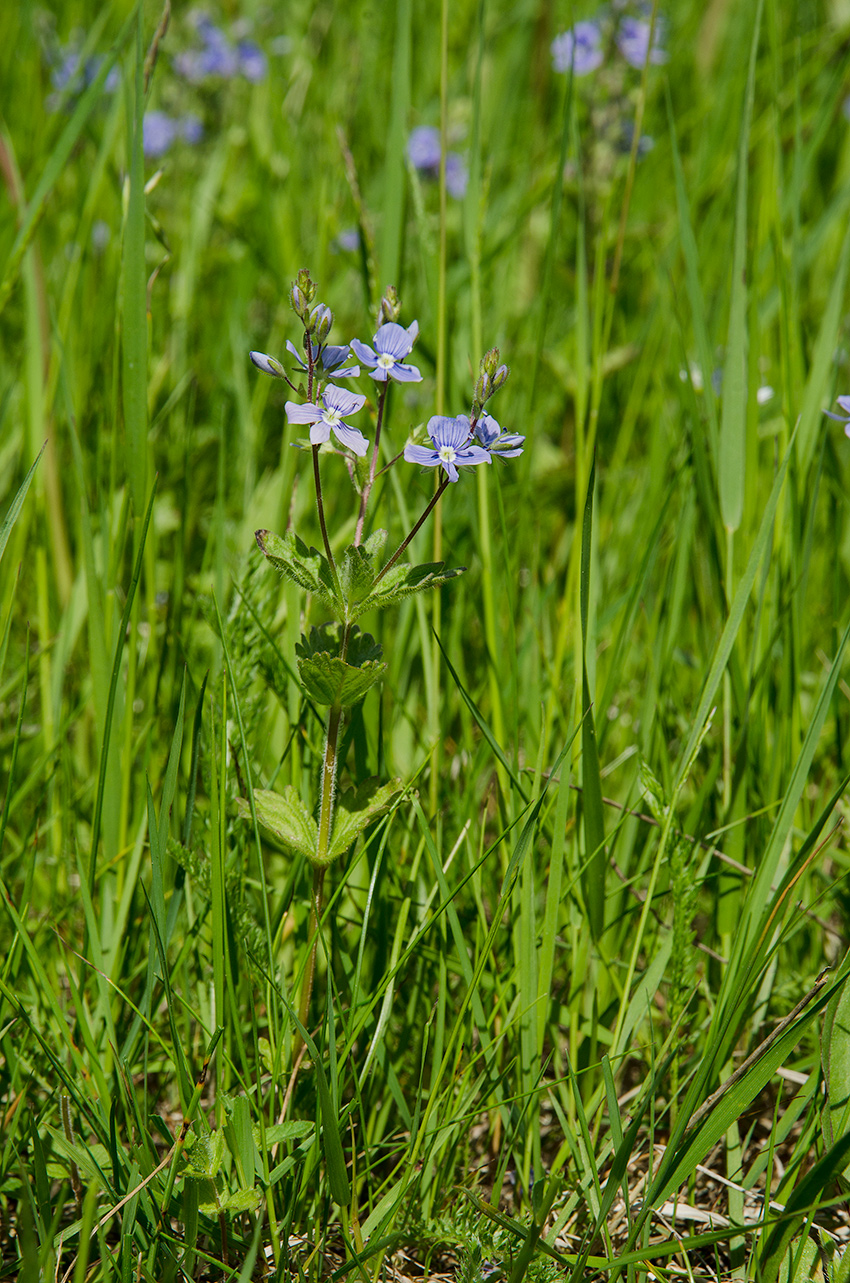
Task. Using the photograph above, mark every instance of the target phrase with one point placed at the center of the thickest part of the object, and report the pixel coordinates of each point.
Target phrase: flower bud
(390, 309)
(500, 377)
(321, 320)
(298, 302)
(308, 288)
(268, 365)
(489, 361)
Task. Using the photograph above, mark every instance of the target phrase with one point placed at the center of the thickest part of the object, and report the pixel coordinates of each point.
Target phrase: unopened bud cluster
(390, 309)
(491, 376)
(301, 295)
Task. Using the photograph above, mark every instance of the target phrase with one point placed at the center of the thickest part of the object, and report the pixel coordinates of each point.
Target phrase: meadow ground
(510, 939)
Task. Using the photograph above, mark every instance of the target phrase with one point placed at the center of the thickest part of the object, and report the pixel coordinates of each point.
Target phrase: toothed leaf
(356, 809)
(286, 816)
(305, 566)
(328, 679)
(402, 580)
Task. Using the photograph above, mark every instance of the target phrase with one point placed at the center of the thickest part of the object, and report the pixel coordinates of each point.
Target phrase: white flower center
(332, 418)
(385, 361)
(447, 454)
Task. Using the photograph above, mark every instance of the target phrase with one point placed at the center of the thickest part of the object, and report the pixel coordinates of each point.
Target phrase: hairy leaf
(286, 816)
(305, 566)
(402, 580)
(331, 680)
(356, 809)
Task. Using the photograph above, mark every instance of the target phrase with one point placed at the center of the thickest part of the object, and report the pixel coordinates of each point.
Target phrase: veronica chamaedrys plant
(337, 664)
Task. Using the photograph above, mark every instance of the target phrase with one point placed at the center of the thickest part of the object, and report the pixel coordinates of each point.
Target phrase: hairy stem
(367, 489)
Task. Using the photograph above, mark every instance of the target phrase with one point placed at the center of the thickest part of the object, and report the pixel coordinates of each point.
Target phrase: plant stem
(400, 549)
(312, 935)
(329, 769)
(367, 489)
(321, 509)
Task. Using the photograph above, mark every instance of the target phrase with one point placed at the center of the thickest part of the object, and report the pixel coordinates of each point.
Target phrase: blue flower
(332, 360)
(844, 403)
(328, 417)
(252, 61)
(385, 361)
(158, 133)
(423, 152)
(457, 175)
(423, 147)
(505, 444)
(633, 43)
(451, 449)
(580, 48)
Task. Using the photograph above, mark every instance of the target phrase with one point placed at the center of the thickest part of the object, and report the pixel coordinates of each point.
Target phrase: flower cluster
(455, 442)
(583, 48)
(160, 131)
(424, 152)
(217, 57)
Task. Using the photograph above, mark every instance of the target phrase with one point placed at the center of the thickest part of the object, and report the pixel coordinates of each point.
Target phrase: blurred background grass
(454, 1003)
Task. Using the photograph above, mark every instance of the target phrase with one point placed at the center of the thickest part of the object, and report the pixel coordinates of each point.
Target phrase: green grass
(581, 965)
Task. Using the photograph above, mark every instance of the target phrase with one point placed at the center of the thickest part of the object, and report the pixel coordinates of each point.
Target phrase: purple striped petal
(308, 413)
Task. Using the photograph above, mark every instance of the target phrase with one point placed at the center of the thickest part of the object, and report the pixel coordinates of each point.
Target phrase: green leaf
(17, 503)
(356, 574)
(330, 680)
(280, 1133)
(402, 580)
(835, 1054)
(307, 567)
(242, 1200)
(356, 809)
(204, 1155)
(286, 816)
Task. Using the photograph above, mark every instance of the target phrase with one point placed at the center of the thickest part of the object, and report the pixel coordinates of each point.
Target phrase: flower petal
(421, 454)
(473, 454)
(405, 373)
(320, 432)
(393, 340)
(342, 400)
(308, 413)
(364, 353)
(351, 438)
(447, 431)
(844, 402)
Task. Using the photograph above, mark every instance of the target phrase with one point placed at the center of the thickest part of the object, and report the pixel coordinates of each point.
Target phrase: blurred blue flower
(70, 71)
(457, 176)
(158, 133)
(386, 360)
(579, 48)
(349, 239)
(423, 147)
(331, 359)
(329, 417)
(451, 446)
(844, 417)
(219, 57)
(191, 128)
(491, 437)
(252, 61)
(633, 43)
(423, 152)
